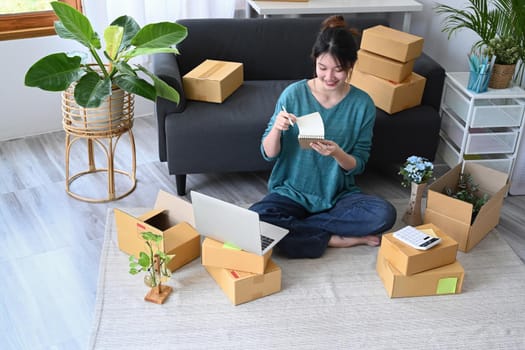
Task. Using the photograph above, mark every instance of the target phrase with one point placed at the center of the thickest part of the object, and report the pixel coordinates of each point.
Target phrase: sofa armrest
(165, 67)
(435, 75)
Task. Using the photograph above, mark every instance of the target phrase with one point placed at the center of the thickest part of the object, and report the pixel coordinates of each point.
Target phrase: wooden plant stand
(158, 294)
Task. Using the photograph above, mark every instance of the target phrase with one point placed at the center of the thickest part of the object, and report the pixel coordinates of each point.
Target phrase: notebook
(311, 129)
(234, 225)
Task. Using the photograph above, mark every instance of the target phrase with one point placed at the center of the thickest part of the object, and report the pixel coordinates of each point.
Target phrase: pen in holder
(480, 69)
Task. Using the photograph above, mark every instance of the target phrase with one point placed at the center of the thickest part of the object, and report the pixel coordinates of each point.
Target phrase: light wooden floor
(50, 243)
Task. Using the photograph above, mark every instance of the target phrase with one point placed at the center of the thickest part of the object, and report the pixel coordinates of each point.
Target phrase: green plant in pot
(154, 262)
(489, 19)
(506, 52)
(93, 80)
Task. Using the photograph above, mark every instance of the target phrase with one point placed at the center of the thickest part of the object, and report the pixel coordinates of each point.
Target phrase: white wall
(29, 111)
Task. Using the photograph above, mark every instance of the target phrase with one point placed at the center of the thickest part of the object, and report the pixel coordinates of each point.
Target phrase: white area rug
(336, 302)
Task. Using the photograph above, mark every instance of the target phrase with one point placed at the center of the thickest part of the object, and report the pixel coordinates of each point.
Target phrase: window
(30, 20)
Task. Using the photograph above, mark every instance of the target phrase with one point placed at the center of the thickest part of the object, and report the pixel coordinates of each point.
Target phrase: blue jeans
(354, 215)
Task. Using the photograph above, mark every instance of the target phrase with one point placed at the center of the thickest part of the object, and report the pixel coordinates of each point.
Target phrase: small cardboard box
(213, 81)
(241, 287)
(217, 254)
(172, 218)
(447, 279)
(392, 43)
(409, 261)
(454, 216)
(383, 67)
(389, 96)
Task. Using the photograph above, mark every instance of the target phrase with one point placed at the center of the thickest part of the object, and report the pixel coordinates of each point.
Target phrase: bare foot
(345, 242)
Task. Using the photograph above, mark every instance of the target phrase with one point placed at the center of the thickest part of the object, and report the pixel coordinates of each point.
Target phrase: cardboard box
(409, 261)
(241, 287)
(383, 67)
(446, 279)
(213, 81)
(455, 216)
(389, 96)
(392, 43)
(172, 218)
(217, 254)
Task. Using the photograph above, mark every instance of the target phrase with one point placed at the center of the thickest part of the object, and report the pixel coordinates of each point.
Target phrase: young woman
(312, 192)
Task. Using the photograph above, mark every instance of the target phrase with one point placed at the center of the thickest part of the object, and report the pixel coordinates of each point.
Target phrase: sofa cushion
(242, 117)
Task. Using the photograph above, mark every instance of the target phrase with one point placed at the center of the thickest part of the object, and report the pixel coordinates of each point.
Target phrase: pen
(285, 111)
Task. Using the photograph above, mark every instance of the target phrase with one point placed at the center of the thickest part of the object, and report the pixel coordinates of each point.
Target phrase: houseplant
(416, 172)
(488, 19)
(94, 79)
(155, 263)
(506, 52)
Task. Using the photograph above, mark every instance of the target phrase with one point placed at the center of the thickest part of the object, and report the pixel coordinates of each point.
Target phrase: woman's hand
(284, 120)
(325, 147)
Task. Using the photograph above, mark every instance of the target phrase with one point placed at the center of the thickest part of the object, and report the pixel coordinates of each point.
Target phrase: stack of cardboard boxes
(409, 272)
(243, 276)
(384, 68)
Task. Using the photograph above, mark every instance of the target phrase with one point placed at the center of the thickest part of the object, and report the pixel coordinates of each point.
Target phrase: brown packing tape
(212, 70)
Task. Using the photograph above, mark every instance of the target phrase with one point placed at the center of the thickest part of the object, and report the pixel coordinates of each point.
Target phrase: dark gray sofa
(201, 137)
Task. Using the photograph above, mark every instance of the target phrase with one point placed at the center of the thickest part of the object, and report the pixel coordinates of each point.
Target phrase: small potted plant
(416, 172)
(154, 263)
(507, 52)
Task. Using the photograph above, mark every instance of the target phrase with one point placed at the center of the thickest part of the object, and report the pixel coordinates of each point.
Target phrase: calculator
(416, 238)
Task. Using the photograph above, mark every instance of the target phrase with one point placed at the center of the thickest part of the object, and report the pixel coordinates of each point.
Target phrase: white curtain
(147, 11)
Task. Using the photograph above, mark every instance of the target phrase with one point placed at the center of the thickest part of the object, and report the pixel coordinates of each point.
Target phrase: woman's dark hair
(338, 40)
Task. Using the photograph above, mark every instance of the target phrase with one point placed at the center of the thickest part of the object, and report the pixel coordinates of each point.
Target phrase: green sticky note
(230, 246)
(447, 285)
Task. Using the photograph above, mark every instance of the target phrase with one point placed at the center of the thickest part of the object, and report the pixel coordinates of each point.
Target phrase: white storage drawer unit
(484, 128)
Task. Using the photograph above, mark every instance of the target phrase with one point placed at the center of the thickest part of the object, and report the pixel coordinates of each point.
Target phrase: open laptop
(229, 223)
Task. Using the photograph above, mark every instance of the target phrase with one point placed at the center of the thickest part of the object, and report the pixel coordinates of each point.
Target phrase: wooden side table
(103, 126)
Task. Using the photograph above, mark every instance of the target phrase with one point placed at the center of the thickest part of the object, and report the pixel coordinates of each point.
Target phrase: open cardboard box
(172, 218)
(454, 216)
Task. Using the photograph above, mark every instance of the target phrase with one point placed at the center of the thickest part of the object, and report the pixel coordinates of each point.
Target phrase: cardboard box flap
(449, 179)
(489, 180)
(179, 210)
(150, 214)
(448, 206)
(129, 229)
(178, 235)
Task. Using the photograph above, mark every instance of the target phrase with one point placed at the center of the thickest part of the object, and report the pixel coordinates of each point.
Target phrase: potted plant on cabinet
(506, 52)
(93, 80)
(489, 19)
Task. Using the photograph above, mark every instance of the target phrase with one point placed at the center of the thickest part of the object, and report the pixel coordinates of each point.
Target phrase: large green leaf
(54, 72)
(74, 25)
(130, 27)
(149, 51)
(161, 88)
(113, 38)
(91, 90)
(136, 85)
(163, 34)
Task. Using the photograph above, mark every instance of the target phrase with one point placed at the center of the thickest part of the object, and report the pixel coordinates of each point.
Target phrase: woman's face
(330, 72)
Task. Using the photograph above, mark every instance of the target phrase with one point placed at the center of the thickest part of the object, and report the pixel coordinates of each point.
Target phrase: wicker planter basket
(501, 76)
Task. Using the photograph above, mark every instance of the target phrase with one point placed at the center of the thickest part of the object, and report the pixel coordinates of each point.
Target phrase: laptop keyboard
(265, 241)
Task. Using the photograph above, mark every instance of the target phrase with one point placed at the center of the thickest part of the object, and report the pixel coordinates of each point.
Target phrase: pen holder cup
(478, 82)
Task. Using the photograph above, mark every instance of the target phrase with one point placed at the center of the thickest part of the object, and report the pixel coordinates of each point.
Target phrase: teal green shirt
(308, 178)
